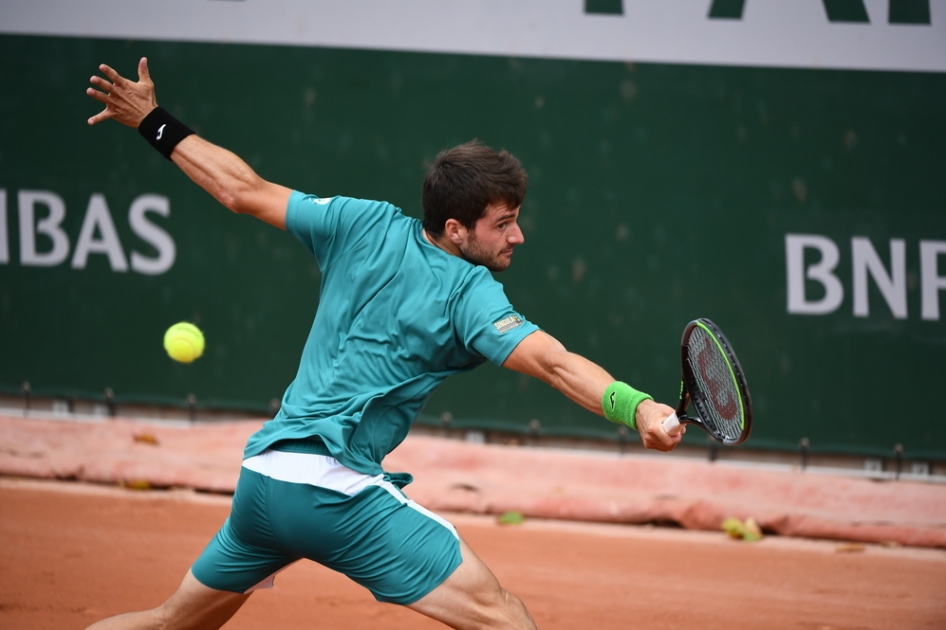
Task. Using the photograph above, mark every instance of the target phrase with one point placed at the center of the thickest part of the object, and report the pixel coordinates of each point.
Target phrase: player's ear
(455, 231)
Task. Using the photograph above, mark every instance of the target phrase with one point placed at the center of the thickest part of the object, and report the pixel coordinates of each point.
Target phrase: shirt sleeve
(486, 322)
(330, 226)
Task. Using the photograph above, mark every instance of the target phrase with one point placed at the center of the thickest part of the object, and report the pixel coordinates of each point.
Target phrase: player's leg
(193, 605)
(241, 558)
(366, 528)
(472, 598)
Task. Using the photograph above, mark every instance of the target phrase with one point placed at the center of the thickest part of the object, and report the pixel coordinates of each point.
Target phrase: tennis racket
(714, 382)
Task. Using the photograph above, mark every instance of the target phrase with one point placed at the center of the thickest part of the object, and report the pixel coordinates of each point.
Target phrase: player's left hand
(650, 424)
(126, 101)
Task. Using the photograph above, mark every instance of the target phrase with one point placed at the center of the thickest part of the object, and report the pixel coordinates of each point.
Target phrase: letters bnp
(814, 274)
(44, 242)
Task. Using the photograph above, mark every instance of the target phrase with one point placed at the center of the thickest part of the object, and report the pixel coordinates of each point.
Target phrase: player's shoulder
(481, 275)
(349, 204)
(331, 214)
(475, 283)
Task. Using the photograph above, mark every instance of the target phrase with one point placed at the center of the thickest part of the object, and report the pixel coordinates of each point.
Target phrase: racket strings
(720, 405)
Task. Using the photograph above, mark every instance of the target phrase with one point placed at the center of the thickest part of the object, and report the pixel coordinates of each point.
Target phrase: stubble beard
(478, 255)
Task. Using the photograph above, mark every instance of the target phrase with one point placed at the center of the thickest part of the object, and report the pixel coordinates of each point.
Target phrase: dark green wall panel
(659, 193)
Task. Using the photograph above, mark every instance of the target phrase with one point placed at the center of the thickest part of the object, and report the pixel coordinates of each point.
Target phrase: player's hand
(126, 101)
(650, 424)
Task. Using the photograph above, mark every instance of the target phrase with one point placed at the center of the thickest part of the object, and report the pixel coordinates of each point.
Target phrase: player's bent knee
(505, 611)
(517, 614)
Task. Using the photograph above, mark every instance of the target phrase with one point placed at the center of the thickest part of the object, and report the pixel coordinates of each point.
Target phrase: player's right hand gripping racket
(714, 382)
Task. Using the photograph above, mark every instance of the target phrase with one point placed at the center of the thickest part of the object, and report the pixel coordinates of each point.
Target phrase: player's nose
(515, 235)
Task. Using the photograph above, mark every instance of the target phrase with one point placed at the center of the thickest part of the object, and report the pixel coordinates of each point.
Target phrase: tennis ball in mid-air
(184, 342)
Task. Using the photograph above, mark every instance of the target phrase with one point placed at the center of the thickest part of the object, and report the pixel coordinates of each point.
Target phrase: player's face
(493, 238)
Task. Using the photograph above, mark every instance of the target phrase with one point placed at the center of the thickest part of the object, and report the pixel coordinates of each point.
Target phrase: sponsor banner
(904, 35)
(801, 210)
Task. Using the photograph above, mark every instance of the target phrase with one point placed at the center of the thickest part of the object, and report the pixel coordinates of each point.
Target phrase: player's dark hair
(463, 180)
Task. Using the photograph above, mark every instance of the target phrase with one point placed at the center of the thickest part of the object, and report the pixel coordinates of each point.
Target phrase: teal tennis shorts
(291, 505)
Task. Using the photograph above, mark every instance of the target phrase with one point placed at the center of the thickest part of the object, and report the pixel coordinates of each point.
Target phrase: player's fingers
(99, 82)
(99, 96)
(144, 75)
(658, 440)
(110, 73)
(105, 114)
(676, 436)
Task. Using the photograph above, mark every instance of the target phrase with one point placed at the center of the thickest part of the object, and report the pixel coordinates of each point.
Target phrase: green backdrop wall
(659, 193)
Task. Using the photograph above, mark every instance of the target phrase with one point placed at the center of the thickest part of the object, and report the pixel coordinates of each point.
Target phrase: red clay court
(74, 552)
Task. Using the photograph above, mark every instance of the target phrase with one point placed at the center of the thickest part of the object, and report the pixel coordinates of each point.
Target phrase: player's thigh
(472, 598)
(245, 554)
(377, 537)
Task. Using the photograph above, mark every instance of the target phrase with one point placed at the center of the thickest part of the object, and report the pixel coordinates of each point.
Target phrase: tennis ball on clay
(184, 342)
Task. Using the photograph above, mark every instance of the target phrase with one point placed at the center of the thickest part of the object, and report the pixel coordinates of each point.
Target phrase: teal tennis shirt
(396, 317)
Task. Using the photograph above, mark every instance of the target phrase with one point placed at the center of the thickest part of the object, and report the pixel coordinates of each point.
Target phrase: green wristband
(620, 403)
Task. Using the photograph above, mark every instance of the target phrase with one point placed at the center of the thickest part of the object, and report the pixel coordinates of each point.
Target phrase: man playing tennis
(403, 305)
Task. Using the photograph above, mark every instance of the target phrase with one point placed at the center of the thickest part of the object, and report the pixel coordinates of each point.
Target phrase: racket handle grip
(672, 424)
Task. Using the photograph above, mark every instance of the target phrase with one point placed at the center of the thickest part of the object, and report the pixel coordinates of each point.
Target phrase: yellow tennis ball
(184, 342)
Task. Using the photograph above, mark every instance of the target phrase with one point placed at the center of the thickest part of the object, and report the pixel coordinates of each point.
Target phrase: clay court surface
(73, 553)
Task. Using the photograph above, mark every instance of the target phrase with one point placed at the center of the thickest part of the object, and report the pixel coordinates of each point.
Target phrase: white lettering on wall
(893, 286)
(931, 282)
(27, 200)
(98, 218)
(152, 234)
(866, 264)
(42, 213)
(822, 272)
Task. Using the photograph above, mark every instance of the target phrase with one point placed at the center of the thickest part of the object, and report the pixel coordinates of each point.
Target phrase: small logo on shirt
(508, 323)
(323, 202)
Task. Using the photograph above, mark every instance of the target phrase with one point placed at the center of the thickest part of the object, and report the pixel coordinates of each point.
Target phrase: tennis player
(403, 305)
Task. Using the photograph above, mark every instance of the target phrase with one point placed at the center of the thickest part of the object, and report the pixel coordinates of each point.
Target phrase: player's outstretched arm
(544, 357)
(220, 172)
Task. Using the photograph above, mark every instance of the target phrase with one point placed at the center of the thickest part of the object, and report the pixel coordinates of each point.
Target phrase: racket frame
(691, 393)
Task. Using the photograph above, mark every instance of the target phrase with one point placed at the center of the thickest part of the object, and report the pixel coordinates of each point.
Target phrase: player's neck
(443, 243)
